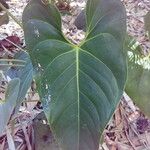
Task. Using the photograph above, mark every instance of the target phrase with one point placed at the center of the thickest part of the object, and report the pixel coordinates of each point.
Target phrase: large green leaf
(137, 86)
(80, 85)
(41, 21)
(7, 105)
(106, 16)
(37, 30)
(39, 10)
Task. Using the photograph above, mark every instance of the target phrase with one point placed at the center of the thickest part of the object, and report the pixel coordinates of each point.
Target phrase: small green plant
(17, 88)
(137, 85)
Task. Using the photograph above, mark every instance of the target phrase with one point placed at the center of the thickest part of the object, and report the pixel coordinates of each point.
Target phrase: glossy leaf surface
(80, 85)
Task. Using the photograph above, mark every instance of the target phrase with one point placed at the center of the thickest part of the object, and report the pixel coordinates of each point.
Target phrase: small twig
(125, 128)
(129, 102)
(11, 65)
(26, 138)
(23, 126)
(9, 14)
(30, 101)
(136, 133)
(15, 45)
(6, 50)
(12, 60)
(11, 143)
(128, 138)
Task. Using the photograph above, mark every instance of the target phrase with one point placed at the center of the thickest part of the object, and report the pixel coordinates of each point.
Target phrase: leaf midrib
(78, 90)
(76, 50)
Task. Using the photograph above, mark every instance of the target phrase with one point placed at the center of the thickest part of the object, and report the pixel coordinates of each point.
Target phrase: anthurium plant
(79, 85)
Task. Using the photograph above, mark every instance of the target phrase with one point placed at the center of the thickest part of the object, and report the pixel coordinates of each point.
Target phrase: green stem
(9, 14)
